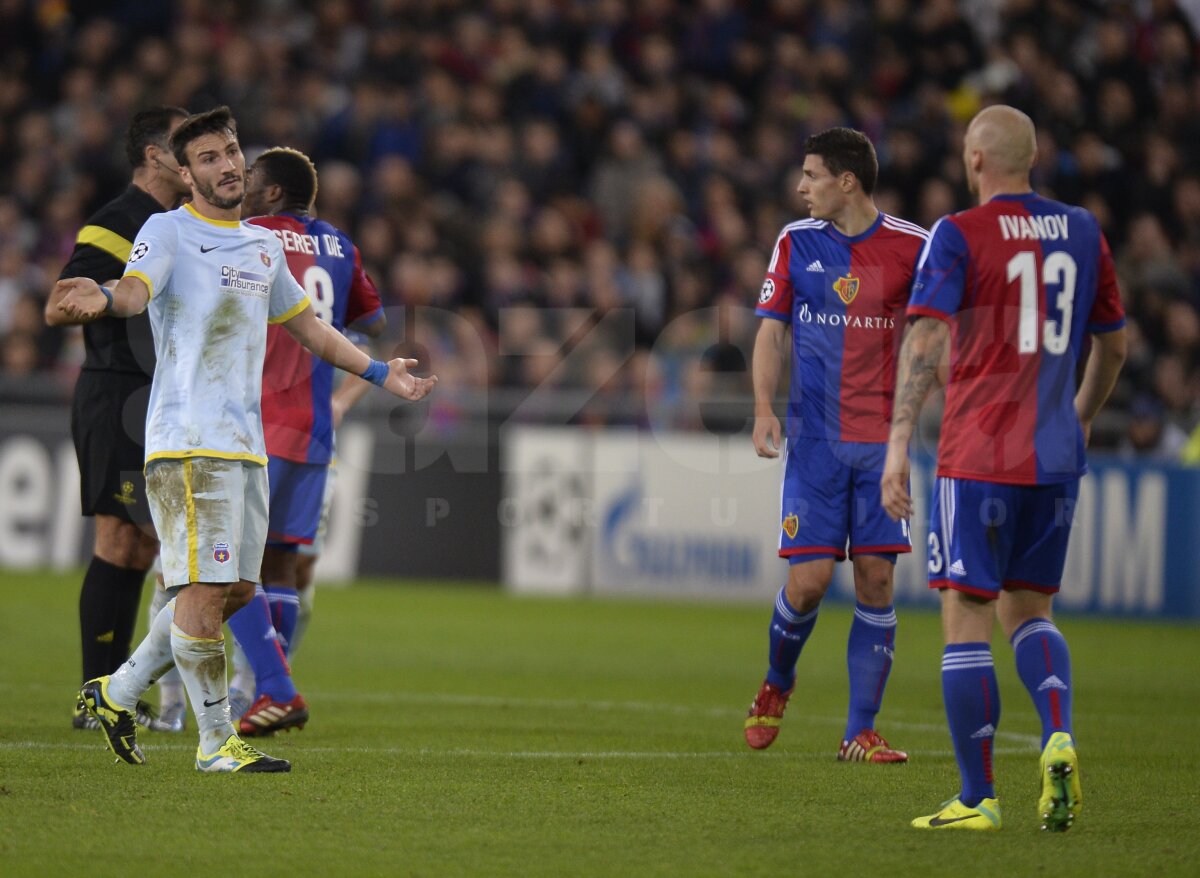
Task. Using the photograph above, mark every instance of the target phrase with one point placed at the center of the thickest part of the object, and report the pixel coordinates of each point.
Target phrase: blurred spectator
(630, 162)
(1151, 435)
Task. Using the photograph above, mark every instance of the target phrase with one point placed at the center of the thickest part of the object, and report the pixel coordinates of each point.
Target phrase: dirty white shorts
(211, 517)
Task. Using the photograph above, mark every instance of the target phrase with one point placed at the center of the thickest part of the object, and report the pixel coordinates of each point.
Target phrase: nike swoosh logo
(938, 821)
(208, 703)
(204, 249)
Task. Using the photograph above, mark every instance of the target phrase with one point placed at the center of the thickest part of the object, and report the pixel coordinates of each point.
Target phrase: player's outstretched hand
(401, 382)
(766, 436)
(893, 487)
(81, 298)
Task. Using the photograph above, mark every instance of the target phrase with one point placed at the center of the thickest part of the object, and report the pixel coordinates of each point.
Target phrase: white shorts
(211, 517)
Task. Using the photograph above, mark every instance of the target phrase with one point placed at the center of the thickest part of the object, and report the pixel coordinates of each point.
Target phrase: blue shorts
(296, 492)
(831, 497)
(985, 537)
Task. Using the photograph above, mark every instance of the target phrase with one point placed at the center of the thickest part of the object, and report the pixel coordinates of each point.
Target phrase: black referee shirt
(101, 250)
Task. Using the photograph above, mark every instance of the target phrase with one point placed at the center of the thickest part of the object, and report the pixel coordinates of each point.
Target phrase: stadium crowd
(570, 194)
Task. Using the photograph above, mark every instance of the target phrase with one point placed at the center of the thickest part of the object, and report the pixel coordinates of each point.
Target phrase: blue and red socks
(285, 610)
(255, 633)
(973, 713)
(1044, 666)
(789, 631)
(869, 655)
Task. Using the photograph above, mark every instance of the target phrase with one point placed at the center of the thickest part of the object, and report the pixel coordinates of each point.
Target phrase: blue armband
(376, 373)
(108, 295)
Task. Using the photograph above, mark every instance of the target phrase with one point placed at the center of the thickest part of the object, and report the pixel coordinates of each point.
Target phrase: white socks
(150, 660)
(201, 663)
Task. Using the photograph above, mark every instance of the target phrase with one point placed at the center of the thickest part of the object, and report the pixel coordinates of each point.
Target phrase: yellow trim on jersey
(105, 239)
(207, 452)
(193, 538)
(133, 272)
(227, 224)
(291, 312)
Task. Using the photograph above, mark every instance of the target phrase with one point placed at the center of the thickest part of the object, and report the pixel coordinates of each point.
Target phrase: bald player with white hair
(1006, 291)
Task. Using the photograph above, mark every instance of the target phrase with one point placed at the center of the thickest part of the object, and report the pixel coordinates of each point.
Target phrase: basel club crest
(220, 552)
(846, 287)
(791, 525)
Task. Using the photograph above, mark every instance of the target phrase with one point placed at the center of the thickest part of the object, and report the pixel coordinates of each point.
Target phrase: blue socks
(252, 627)
(1044, 665)
(973, 712)
(285, 610)
(789, 631)
(869, 661)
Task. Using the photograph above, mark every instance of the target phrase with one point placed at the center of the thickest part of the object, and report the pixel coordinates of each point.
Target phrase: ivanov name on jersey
(1034, 228)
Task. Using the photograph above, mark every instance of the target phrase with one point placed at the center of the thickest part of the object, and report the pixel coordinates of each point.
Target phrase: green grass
(457, 731)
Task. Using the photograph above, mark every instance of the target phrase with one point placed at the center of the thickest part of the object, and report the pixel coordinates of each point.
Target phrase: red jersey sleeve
(775, 297)
(364, 297)
(1108, 314)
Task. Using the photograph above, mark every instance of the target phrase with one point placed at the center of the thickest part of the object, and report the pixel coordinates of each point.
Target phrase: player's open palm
(403, 383)
(766, 435)
(81, 298)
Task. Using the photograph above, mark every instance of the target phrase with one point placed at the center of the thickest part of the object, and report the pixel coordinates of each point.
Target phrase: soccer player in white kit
(212, 283)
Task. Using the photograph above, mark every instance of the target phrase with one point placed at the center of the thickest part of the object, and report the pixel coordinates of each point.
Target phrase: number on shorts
(935, 554)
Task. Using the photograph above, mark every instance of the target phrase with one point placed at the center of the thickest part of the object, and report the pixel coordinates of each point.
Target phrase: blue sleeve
(941, 273)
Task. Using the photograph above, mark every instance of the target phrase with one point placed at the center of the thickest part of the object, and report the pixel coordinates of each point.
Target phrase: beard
(224, 203)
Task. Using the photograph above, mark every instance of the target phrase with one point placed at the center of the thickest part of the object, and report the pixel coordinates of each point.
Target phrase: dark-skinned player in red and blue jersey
(836, 289)
(298, 420)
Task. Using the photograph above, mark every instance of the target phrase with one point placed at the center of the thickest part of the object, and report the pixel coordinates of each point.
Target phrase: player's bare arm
(81, 299)
(1099, 376)
(921, 355)
(55, 316)
(765, 368)
(337, 350)
(348, 393)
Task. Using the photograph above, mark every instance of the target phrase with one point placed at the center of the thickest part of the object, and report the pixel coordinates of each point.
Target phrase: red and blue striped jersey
(844, 299)
(1019, 280)
(297, 385)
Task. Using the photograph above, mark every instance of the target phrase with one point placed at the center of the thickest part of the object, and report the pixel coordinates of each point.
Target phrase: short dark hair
(218, 121)
(293, 172)
(844, 149)
(149, 127)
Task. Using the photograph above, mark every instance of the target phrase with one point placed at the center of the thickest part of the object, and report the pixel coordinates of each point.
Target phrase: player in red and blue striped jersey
(297, 419)
(837, 285)
(1009, 288)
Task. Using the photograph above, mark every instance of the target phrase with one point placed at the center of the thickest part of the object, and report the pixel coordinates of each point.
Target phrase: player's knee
(123, 544)
(804, 593)
(874, 590)
(238, 596)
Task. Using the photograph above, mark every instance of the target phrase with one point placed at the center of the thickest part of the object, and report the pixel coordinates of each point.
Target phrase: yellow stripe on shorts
(193, 538)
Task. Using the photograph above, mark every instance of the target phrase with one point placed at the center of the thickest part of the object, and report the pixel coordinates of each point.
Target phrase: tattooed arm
(920, 357)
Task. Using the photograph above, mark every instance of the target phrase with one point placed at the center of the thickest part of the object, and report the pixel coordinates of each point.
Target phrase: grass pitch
(457, 731)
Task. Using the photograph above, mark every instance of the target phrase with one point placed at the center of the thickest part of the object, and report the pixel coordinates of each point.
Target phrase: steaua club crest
(266, 257)
(846, 287)
(791, 526)
(220, 552)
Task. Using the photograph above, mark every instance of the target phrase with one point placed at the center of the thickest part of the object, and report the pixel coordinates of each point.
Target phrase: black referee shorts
(108, 424)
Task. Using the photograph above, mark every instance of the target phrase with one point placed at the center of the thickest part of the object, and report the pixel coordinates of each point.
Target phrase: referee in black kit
(108, 417)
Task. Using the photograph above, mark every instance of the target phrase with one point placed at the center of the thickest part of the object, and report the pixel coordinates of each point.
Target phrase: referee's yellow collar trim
(227, 224)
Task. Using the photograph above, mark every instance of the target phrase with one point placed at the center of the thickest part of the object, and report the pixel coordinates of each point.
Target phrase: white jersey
(214, 286)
